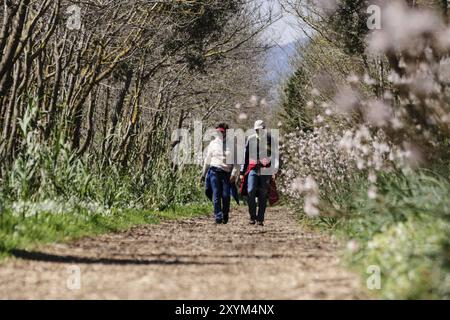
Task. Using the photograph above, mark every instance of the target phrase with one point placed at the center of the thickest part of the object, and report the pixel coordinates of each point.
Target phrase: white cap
(259, 125)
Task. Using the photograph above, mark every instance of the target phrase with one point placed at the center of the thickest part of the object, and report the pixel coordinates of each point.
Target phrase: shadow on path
(48, 257)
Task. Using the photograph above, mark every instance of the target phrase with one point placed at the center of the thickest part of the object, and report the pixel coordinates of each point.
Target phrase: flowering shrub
(329, 157)
(401, 121)
(316, 154)
(313, 161)
(411, 106)
(378, 152)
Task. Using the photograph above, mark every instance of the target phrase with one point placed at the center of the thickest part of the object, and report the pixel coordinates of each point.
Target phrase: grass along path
(18, 233)
(187, 259)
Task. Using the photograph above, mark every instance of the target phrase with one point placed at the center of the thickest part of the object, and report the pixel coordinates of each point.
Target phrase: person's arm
(246, 160)
(236, 166)
(235, 173)
(206, 163)
(274, 155)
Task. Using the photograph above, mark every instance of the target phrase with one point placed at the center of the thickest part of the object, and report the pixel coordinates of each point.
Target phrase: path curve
(187, 259)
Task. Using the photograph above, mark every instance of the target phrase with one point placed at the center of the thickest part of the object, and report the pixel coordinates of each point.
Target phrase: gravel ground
(189, 259)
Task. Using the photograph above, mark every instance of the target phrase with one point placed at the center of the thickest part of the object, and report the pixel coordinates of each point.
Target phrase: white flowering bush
(331, 156)
(316, 154)
(314, 161)
(394, 122)
(408, 120)
(411, 103)
(376, 158)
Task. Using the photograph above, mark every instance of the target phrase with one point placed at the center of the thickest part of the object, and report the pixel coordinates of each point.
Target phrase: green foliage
(349, 24)
(405, 232)
(294, 103)
(201, 21)
(404, 228)
(409, 254)
(167, 186)
(51, 170)
(321, 66)
(51, 194)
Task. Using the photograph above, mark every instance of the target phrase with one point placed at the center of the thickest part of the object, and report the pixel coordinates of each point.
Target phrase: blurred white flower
(320, 119)
(396, 123)
(243, 116)
(346, 99)
(353, 246)
(377, 113)
(297, 185)
(353, 79)
(327, 6)
(399, 34)
(310, 208)
(372, 193)
(263, 103)
(253, 101)
(368, 80)
(443, 39)
(315, 92)
(372, 177)
(310, 185)
(444, 71)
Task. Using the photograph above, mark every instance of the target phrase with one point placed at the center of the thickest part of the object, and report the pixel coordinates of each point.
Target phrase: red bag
(273, 193)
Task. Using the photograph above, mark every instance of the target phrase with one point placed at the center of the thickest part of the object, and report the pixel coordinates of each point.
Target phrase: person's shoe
(253, 222)
(225, 219)
(219, 221)
(261, 223)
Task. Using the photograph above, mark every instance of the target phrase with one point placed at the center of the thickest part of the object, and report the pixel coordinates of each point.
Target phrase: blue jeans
(220, 183)
(258, 186)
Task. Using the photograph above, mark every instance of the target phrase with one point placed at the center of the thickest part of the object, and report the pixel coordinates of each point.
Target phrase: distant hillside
(278, 61)
(278, 66)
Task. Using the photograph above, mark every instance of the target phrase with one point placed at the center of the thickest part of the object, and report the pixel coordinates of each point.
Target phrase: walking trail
(187, 259)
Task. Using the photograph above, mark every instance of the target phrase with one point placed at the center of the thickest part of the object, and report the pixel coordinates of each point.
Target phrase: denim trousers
(258, 186)
(220, 183)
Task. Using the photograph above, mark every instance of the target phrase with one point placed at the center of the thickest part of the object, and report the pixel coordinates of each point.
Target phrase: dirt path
(190, 259)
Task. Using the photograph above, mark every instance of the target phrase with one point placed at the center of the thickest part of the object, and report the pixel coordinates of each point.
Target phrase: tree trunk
(7, 61)
(90, 126)
(117, 112)
(55, 90)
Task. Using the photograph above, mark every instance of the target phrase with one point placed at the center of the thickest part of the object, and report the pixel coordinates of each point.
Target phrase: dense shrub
(375, 163)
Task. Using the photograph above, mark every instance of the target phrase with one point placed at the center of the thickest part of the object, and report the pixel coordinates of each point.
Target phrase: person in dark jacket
(257, 171)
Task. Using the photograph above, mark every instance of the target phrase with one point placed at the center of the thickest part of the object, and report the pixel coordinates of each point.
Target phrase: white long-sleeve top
(216, 156)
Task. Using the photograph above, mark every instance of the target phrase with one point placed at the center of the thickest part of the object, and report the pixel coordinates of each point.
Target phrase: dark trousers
(220, 183)
(258, 186)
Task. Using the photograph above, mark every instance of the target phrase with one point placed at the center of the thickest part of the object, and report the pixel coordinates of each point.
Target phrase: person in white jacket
(221, 173)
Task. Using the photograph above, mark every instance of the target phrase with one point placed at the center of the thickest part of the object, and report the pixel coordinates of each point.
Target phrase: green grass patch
(17, 232)
(410, 256)
(405, 232)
